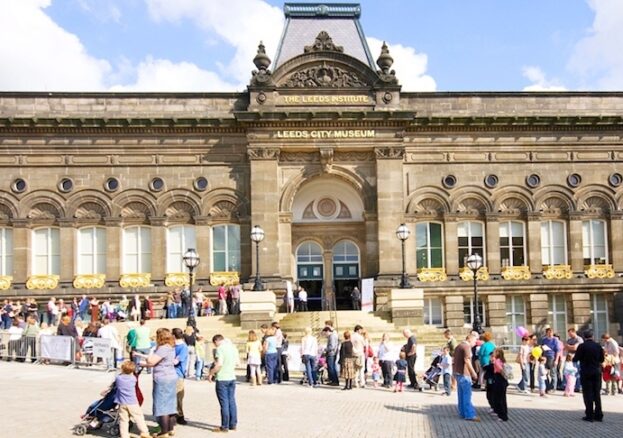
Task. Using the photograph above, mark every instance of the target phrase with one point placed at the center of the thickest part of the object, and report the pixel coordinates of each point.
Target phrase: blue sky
(208, 45)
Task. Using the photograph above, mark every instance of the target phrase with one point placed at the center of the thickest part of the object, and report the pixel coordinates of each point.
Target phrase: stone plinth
(406, 306)
(256, 308)
(453, 307)
(581, 304)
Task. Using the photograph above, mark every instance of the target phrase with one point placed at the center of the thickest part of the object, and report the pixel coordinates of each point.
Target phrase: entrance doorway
(345, 273)
(309, 269)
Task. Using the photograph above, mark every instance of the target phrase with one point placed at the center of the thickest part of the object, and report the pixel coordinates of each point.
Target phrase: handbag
(369, 351)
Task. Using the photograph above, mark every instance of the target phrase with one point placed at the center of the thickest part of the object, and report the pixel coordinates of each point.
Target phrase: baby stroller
(104, 413)
(431, 375)
(319, 371)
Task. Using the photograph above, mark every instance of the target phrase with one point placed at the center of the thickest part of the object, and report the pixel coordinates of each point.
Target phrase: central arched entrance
(346, 270)
(310, 272)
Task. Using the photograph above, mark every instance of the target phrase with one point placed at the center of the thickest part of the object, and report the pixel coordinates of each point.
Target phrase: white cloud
(241, 23)
(410, 66)
(39, 55)
(102, 10)
(597, 57)
(539, 80)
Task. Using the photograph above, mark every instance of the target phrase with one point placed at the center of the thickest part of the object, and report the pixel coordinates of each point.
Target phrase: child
(570, 373)
(401, 371)
(200, 360)
(500, 384)
(254, 358)
(129, 407)
(446, 370)
(376, 371)
(609, 375)
(542, 376)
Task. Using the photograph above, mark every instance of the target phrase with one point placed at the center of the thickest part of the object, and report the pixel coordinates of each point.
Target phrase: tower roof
(304, 21)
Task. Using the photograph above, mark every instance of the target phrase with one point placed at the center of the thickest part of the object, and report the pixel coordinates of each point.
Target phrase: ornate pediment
(323, 75)
(324, 43)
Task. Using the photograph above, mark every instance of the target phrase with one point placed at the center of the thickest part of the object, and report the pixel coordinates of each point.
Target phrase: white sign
(367, 294)
(57, 347)
(102, 348)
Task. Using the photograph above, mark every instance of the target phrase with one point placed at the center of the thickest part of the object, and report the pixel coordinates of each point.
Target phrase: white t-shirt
(15, 333)
(110, 332)
(309, 346)
(302, 295)
(358, 343)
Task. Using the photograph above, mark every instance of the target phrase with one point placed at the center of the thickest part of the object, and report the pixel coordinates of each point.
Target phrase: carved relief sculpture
(324, 43)
(324, 75)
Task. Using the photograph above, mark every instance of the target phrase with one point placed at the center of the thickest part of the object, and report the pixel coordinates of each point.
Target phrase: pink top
(498, 366)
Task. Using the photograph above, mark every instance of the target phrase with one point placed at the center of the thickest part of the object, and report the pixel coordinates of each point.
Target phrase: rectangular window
(91, 250)
(512, 246)
(599, 314)
(46, 252)
(179, 240)
(6, 251)
(471, 241)
(468, 311)
(433, 312)
(594, 242)
(558, 313)
(226, 248)
(515, 315)
(429, 245)
(553, 243)
(136, 250)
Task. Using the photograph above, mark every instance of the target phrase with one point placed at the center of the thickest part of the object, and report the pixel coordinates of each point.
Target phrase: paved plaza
(47, 401)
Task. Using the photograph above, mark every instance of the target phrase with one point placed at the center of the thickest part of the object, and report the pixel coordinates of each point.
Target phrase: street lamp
(191, 260)
(474, 263)
(402, 232)
(257, 235)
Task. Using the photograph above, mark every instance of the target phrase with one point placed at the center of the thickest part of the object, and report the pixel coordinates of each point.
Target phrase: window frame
(97, 256)
(6, 251)
(142, 258)
(510, 246)
(429, 247)
(180, 267)
(49, 254)
(226, 251)
(591, 243)
(554, 313)
(428, 306)
(596, 328)
(512, 319)
(550, 248)
(483, 314)
(470, 246)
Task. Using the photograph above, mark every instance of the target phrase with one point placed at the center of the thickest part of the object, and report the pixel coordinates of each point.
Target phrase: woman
(270, 356)
(95, 309)
(484, 354)
(347, 361)
(386, 360)
(254, 358)
(190, 337)
(499, 385)
(309, 355)
(165, 379)
(15, 341)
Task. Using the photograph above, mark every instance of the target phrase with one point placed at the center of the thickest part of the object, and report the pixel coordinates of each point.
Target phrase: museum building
(102, 193)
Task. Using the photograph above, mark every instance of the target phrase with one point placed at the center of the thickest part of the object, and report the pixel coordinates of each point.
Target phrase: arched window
(553, 243)
(345, 260)
(512, 244)
(91, 250)
(179, 239)
(309, 263)
(136, 250)
(594, 242)
(6, 251)
(429, 245)
(226, 248)
(471, 239)
(46, 251)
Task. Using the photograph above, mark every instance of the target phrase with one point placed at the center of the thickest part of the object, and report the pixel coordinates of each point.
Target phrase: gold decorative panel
(135, 280)
(467, 274)
(89, 281)
(42, 282)
(516, 273)
(177, 279)
(432, 274)
(224, 278)
(557, 272)
(599, 271)
(5, 282)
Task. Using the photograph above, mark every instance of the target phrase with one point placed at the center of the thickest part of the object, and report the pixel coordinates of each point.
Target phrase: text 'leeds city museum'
(102, 193)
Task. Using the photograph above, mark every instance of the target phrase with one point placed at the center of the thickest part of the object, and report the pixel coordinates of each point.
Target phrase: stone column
(327, 262)
(372, 244)
(286, 270)
(390, 207)
(493, 243)
(496, 306)
(575, 242)
(265, 193)
(406, 307)
(68, 244)
(21, 251)
(158, 248)
(454, 316)
(616, 240)
(451, 245)
(114, 258)
(203, 238)
(534, 244)
(581, 309)
(539, 307)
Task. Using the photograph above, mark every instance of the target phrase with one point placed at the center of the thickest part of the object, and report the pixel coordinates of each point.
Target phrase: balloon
(537, 352)
(521, 331)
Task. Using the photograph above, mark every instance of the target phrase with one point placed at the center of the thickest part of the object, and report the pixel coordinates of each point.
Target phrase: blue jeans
(332, 370)
(271, 367)
(464, 389)
(226, 394)
(198, 368)
(447, 383)
(310, 368)
(525, 378)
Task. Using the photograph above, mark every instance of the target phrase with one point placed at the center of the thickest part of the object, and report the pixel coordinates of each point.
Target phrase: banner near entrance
(367, 295)
(57, 347)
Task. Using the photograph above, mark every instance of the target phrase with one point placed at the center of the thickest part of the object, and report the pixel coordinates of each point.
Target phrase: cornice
(530, 123)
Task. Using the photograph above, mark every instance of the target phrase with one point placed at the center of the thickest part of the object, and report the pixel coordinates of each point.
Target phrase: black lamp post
(191, 260)
(257, 235)
(402, 232)
(474, 263)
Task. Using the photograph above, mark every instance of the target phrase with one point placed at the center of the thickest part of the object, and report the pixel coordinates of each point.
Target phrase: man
(549, 344)
(360, 356)
(355, 297)
(225, 358)
(279, 342)
(571, 346)
(410, 351)
(67, 328)
(464, 374)
(331, 352)
(302, 300)
(52, 311)
(108, 331)
(142, 341)
(235, 299)
(83, 308)
(181, 364)
(591, 356)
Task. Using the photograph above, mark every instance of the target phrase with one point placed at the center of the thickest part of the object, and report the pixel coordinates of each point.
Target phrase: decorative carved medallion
(91, 281)
(42, 282)
(326, 159)
(516, 273)
(224, 278)
(467, 274)
(135, 280)
(5, 282)
(324, 43)
(177, 279)
(599, 271)
(263, 154)
(324, 76)
(557, 272)
(432, 274)
(391, 153)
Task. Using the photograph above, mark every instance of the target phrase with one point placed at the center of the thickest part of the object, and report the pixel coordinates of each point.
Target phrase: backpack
(507, 372)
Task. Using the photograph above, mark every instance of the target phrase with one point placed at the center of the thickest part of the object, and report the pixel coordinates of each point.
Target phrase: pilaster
(581, 309)
(454, 317)
(68, 249)
(451, 245)
(616, 239)
(158, 244)
(21, 251)
(493, 244)
(539, 306)
(575, 242)
(496, 306)
(203, 238)
(113, 249)
(534, 244)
